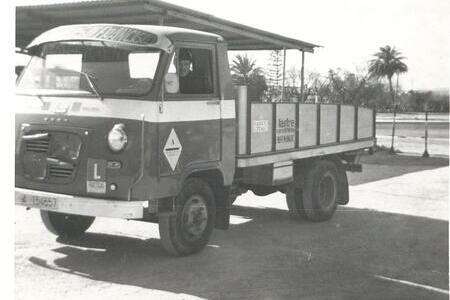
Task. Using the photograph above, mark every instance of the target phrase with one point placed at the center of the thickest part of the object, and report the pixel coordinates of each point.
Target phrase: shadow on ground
(382, 165)
(273, 257)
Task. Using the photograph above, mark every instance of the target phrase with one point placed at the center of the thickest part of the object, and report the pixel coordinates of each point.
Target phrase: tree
(293, 75)
(257, 87)
(316, 85)
(344, 87)
(387, 62)
(426, 100)
(350, 87)
(245, 72)
(276, 65)
(293, 83)
(242, 68)
(275, 75)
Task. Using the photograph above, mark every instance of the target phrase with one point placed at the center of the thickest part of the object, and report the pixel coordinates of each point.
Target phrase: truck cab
(105, 125)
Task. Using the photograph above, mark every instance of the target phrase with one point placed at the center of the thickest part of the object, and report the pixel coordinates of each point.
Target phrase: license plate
(98, 187)
(41, 202)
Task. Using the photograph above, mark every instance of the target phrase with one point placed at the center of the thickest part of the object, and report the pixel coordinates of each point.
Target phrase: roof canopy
(35, 19)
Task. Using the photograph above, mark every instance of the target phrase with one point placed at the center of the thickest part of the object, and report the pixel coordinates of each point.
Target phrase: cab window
(193, 69)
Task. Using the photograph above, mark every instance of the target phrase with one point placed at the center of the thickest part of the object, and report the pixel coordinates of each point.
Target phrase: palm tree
(387, 62)
(245, 72)
(243, 68)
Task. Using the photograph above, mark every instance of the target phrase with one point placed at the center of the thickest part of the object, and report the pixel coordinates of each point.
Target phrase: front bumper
(79, 205)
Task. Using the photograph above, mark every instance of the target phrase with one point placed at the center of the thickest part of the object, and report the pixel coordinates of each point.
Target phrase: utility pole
(392, 150)
(425, 153)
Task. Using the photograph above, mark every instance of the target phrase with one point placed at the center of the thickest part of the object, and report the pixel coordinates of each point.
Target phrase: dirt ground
(390, 242)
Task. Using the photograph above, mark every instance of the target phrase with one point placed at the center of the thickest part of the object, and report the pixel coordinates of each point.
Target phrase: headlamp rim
(119, 128)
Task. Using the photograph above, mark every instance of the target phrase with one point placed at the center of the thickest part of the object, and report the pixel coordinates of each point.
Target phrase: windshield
(90, 67)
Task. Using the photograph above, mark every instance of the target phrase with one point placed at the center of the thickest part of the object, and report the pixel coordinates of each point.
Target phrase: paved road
(409, 137)
(392, 243)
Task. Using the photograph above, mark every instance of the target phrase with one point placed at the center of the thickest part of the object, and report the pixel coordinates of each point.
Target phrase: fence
(415, 132)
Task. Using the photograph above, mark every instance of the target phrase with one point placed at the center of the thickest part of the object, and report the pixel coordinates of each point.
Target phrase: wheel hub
(327, 191)
(194, 217)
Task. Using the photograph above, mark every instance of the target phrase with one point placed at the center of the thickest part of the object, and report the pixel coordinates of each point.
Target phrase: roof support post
(283, 94)
(161, 20)
(302, 78)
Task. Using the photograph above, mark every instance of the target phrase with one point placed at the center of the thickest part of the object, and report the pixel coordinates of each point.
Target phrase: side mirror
(171, 83)
(19, 70)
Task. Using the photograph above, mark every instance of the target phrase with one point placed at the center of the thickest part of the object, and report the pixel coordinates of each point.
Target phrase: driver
(189, 83)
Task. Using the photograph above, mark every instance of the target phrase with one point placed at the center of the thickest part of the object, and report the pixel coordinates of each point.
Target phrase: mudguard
(222, 208)
(343, 186)
(343, 196)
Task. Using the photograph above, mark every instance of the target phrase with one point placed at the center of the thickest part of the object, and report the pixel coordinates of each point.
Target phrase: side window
(194, 69)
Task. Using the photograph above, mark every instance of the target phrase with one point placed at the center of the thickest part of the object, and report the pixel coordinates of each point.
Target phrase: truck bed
(276, 132)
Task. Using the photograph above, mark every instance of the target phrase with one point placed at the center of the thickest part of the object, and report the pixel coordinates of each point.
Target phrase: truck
(105, 127)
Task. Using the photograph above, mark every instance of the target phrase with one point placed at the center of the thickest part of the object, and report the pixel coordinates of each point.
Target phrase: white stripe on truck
(172, 111)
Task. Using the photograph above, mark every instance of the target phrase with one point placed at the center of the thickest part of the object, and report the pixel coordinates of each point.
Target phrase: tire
(188, 229)
(66, 225)
(320, 191)
(263, 190)
(231, 200)
(294, 200)
(282, 189)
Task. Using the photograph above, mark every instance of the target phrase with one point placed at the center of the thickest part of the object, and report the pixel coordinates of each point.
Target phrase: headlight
(117, 138)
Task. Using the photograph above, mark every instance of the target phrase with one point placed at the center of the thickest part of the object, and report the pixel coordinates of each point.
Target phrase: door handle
(213, 102)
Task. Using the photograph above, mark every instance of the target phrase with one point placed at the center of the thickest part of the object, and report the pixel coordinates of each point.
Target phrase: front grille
(39, 145)
(50, 156)
(60, 172)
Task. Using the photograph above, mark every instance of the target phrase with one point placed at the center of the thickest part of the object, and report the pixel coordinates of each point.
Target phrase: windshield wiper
(90, 79)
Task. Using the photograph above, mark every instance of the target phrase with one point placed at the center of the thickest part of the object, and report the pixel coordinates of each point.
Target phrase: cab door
(190, 119)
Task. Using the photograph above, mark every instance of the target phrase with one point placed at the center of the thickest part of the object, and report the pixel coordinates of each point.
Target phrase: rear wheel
(294, 200)
(320, 191)
(231, 200)
(66, 225)
(188, 229)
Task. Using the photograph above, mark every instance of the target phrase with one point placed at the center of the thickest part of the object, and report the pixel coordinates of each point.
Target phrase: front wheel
(187, 230)
(66, 225)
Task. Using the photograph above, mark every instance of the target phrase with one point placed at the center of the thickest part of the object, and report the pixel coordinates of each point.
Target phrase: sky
(350, 31)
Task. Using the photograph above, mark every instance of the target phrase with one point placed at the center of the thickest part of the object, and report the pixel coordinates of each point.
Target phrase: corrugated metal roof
(31, 20)
(160, 37)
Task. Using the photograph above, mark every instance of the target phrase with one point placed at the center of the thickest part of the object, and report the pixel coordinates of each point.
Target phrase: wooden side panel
(261, 128)
(347, 123)
(285, 127)
(365, 123)
(307, 125)
(328, 123)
